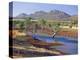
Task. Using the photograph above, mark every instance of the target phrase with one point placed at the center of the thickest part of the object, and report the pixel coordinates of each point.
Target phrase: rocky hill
(51, 15)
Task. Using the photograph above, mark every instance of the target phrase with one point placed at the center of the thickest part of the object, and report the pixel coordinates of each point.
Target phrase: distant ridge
(51, 15)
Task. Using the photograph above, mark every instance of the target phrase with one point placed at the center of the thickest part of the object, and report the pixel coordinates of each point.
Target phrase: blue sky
(28, 8)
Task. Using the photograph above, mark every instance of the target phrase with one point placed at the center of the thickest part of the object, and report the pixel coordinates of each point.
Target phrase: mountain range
(51, 15)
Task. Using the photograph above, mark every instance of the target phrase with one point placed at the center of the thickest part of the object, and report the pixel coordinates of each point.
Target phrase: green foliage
(28, 20)
(49, 25)
(56, 27)
(22, 25)
(73, 23)
(43, 22)
(16, 22)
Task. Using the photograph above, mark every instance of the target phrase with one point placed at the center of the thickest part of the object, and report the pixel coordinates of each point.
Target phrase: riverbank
(22, 48)
(67, 32)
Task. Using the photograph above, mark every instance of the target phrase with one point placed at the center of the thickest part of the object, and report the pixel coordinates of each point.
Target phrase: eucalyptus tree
(43, 23)
(74, 23)
(56, 28)
(21, 24)
(27, 23)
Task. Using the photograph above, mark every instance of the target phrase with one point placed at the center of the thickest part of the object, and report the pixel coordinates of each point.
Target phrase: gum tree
(56, 28)
(27, 23)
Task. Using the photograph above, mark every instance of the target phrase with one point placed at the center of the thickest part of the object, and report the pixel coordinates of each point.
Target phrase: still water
(70, 44)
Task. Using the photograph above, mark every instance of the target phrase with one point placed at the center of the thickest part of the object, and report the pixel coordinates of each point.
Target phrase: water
(70, 44)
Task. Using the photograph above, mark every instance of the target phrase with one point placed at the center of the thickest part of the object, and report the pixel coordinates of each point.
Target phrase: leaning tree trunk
(56, 30)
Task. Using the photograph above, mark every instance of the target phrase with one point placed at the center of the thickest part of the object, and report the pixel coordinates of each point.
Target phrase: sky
(28, 8)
